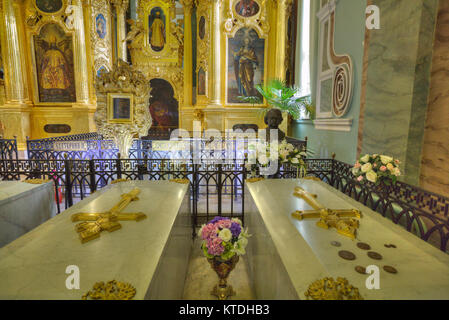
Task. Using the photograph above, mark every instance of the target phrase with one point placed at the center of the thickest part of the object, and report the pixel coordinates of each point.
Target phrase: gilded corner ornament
(111, 290)
(330, 289)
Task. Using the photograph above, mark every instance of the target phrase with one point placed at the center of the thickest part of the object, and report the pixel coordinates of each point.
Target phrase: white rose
(367, 167)
(386, 159)
(371, 176)
(295, 160)
(263, 160)
(365, 158)
(396, 172)
(355, 171)
(225, 234)
(284, 153)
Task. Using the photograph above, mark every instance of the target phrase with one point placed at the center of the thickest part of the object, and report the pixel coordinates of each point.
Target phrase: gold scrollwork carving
(101, 47)
(111, 290)
(329, 289)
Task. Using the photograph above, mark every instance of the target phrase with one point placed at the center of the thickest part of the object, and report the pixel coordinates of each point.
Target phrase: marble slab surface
(23, 207)
(306, 252)
(34, 266)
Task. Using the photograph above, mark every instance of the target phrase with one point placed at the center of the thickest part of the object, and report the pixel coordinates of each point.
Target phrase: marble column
(397, 82)
(435, 165)
(188, 52)
(121, 6)
(216, 55)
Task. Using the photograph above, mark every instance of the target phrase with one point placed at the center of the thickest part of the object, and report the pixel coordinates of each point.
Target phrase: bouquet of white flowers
(377, 168)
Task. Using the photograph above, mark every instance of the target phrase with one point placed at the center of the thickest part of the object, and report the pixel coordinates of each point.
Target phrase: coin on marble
(347, 255)
(363, 246)
(336, 244)
(390, 269)
(374, 255)
(360, 269)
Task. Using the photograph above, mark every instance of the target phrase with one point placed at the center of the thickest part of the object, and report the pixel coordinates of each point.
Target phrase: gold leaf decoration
(329, 289)
(112, 290)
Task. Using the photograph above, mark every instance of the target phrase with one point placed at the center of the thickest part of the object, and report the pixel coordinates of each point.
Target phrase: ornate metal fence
(218, 189)
(8, 149)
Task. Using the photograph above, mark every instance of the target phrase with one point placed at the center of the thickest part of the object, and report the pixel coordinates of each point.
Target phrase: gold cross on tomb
(95, 223)
(345, 221)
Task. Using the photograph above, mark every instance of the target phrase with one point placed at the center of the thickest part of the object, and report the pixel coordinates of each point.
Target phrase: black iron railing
(8, 149)
(217, 189)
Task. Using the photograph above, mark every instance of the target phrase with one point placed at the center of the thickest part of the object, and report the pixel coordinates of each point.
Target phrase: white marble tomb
(152, 254)
(286, 255)
(23, 207)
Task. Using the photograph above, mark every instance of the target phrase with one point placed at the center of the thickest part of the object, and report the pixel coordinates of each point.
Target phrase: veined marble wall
(398, 80)
(435, 165)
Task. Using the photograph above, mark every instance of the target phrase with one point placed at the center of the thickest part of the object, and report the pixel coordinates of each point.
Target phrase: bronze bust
(273, 119)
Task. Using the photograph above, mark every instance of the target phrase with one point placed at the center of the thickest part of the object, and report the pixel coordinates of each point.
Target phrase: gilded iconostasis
(199, 58)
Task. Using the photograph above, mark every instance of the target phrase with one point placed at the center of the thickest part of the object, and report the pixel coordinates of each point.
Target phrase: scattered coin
(336, 244)
(360, 269)
(347, 255)
(390, 269)
(390, 246)
(363, 246)
(374, 255)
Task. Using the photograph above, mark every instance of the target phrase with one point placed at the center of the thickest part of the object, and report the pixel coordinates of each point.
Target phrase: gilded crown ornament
(111, 290)
(330, 289)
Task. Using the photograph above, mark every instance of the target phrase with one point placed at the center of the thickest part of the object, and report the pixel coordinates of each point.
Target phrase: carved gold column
(188, 56)
(15, 114)
(15, 79)
(281, 34)
(121, 6)
(81, 66)
(216, 56)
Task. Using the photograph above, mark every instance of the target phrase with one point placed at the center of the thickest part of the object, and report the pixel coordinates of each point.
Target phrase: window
(304, 52)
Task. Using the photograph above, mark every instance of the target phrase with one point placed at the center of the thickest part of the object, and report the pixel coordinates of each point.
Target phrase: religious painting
(202, 28)
(163, 108)
(247, 8)
(101, 26)
(49, 6)
(120, 107)
(246, 56)
(157, 25)
(201, 82)
(54, 65)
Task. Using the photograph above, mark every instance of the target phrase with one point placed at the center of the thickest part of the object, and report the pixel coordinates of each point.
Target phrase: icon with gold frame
(120, 107)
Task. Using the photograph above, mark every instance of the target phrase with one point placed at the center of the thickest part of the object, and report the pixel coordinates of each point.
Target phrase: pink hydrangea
(224, 224)
(214, 247)
(360, 178)
(209, 231)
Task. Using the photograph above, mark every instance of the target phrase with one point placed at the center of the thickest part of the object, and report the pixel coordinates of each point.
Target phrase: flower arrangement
(223, 238)
(377, 168)
(286, 154)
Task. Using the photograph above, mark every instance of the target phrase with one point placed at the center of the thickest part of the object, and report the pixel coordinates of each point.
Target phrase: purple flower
(235, 229)
(216, 219)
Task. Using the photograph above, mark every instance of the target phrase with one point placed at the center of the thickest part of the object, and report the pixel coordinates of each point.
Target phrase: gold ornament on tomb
(119, 180)
(330, 289)
(253, 180)
(111, 290)
(36, 181)
(345, 221)
(181, 181)
(94, 223)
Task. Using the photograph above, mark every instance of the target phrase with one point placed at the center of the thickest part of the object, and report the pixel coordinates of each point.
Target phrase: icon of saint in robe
(245, 62)
(157, 33)
(54, 66)
(247, 8)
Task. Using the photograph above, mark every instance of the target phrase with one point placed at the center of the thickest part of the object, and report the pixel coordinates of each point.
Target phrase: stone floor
(201, 278)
